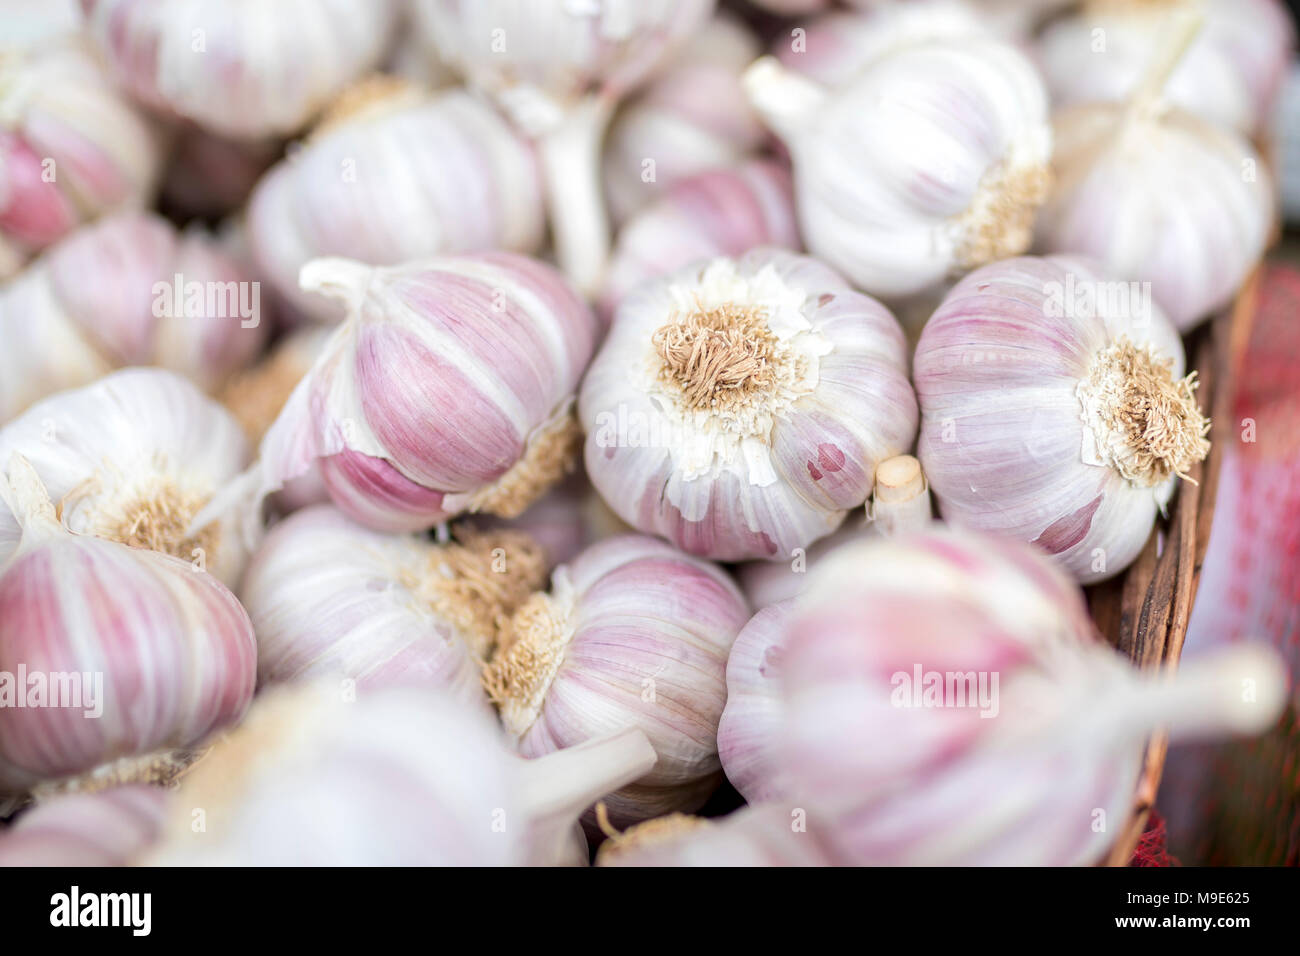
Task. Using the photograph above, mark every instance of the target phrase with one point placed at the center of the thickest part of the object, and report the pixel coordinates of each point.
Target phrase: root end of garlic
(551, 454)
(529, 654)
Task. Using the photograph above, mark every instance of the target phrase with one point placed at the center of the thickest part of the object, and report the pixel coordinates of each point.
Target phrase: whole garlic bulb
(132, 458)
(327, 596)
(398, 176)
(240, 68)
(125, 651)
(739, 406)
(1054, 409)
(692, 117)
(397, 777)
(948, 703)
(632, 634)
(103, 828)
(931, 161)
(71, 147)
(721, 212)
(127, 290)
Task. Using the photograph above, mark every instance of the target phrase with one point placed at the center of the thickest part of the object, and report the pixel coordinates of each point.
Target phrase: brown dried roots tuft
(1000, 221)
(651, 832)
(157, 519)
(718, 357)
(551, 454)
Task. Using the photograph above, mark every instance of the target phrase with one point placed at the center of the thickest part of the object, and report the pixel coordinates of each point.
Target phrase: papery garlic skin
(633, 633)
(240, 68)
(1032, 729)
(72, 148)
(398, 777)
(132, 458)
(1019, 433)
(330, 597)
(127, 290)
(164, 649)
(403, 178)
(931, 161)
(1159, 196)
(762, 447)
(106, 828)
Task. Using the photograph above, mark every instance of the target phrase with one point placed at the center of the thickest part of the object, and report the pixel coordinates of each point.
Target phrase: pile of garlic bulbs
(482, 432)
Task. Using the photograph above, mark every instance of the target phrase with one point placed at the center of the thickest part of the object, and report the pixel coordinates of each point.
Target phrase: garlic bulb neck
(1185, 23)
(551, 453)
(782, 97)
(999, 223)
(1145, 423)
(655, 832)
(346, 280)
(25, 495)
(570, 153)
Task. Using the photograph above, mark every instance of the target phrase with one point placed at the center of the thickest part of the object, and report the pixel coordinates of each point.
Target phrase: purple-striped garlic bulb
(1055, 408)
(330, 597)
(632, 633)
(112, 656)
(394, 777)
(127, 290)
(559, 69)
(739, 407)
(931, 161)
(395, 175)
(132, 458)
(692, 117)
(245, 69)
(102, 828)
(448, 388)
(720, 212)
(948, 702)
(72, 147)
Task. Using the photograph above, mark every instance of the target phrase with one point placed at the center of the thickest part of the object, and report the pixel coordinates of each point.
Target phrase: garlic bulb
(396, 176)
(559, 69)
(242, 68)
(632, 634)
(1230, 76)
(932, 160)
(754, 836)
(396, 777)
(107, 651)
(739, 407)
(127, 290)
(448, 388)
(721, 212)
(71, 147)
(105, 828)
(327, 596)
(692, 117)
(947, 702)
(132, 458)
(1055, 409)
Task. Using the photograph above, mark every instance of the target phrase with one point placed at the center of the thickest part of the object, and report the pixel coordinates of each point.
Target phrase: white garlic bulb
(127, 290)
(109, 653)
(396, 777)
(739, 407)
(398, 176)
(327, 596)
(931, 161)
(132, 458)
(692, 117)
(632, 634)
(240, 68)
(103, 828)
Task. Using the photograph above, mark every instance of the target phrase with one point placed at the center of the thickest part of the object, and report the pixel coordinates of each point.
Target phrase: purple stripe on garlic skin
(1014, 440)
(773, 460)
(106, 828)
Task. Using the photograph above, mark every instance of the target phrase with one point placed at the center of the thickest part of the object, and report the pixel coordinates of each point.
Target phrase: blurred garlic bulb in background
(126, 651)
(103, 828)
(208, 176)
(753, 836)
(128, 290)
(931, 161)
(1230, 75)
(1055, 409)
(396, 176)
(132, 458)
(71, 147)
(721, 212)
(31, 22)
(327, 596)
(789, 8)
(559, 69)
(397, 777)
(739, 407)
(631, 634)
(690, 118)
(902, 648)
(245, 69)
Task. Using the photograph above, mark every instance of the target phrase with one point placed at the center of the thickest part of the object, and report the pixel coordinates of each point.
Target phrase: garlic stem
(901, 499)
(344, 279)
(571, 167)
(782, 97)
(23, 492)
(1185, 26)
